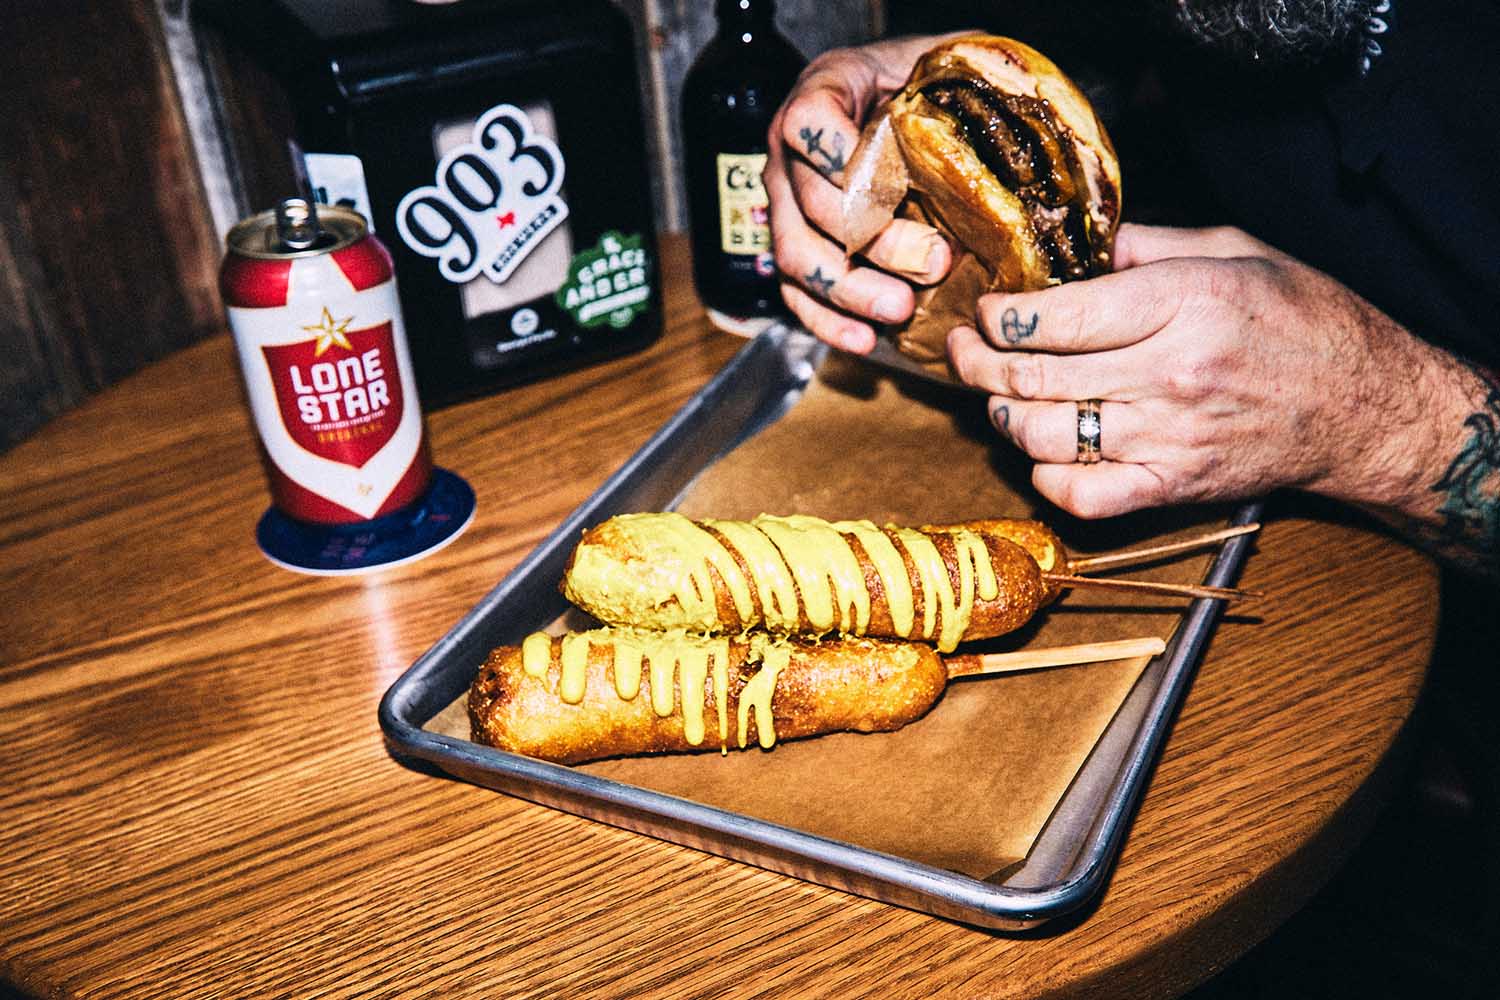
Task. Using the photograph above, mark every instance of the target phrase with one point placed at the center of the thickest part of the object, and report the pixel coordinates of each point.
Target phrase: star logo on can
(330, 331)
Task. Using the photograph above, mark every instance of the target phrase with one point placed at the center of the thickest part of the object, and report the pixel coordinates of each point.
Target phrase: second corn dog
(617, 691)
(614, 691)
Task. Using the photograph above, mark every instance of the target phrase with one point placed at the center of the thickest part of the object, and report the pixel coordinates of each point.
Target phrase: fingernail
(890, 308)
(935, 259)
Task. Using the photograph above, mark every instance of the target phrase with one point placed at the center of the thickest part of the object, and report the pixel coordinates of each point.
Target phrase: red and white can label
(330, 383)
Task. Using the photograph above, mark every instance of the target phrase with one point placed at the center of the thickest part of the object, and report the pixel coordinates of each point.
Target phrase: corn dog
(802, 575)
(617, 691)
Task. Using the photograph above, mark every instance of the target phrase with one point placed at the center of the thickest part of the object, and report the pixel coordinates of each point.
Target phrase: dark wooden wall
(108, 247)
(107, 257)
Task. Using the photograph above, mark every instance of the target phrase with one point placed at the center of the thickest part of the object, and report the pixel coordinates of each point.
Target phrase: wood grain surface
(198, 802)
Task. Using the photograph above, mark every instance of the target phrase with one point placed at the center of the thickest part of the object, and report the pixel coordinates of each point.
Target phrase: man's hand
(1225, 369)
(810, 141)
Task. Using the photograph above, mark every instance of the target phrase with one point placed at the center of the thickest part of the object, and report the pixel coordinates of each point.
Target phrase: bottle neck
(745, 15)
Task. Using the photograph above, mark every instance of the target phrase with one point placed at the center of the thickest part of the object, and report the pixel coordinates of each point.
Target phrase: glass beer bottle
(728, 99)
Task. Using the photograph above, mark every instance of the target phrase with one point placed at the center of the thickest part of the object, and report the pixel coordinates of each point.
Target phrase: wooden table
(197, 802)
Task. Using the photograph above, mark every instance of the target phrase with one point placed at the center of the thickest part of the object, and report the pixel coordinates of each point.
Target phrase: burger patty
(1019, 140)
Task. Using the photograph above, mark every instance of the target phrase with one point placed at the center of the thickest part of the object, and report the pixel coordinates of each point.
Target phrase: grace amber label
(610, 283)
(744, 223)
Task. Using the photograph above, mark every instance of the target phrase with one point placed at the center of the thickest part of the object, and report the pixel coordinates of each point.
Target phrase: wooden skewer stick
(1141, 555)
(1151, 587)
(1057, 656)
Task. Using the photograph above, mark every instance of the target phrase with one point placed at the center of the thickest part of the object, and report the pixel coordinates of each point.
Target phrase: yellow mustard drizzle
(692, 671)
(575, 665)
(787, 558)
(674, 657)
(721, 691)
(891, 569)
(702, 551)
(536, 654)
(773, 581)
(628, 660)
(936, 590)
(976, 573)
(818, 557)
(757, 694)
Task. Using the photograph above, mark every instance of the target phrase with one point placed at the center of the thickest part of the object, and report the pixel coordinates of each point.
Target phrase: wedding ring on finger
(1089, 431)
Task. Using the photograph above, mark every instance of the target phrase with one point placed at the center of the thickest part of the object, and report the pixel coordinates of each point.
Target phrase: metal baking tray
(1068, 864)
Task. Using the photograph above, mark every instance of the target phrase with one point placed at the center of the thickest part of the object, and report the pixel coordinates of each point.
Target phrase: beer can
(311, 300)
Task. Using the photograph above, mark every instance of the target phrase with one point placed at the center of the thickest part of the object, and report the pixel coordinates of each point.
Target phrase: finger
(818, 123)
(821, 200)
(1104, 313)
(818, 264)
(1048, 431)
(914, 251)
(828, 325)
(1136, 245)
(1032, 375)
(1103, 490)
(905, 247)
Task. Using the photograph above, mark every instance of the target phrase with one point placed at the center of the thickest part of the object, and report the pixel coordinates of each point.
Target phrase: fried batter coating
(566, 700)
(804, 576)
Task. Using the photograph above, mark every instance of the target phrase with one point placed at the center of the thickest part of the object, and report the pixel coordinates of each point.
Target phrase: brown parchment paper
(968, 786)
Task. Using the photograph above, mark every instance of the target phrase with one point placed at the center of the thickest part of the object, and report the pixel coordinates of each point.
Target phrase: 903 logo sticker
(494, 200)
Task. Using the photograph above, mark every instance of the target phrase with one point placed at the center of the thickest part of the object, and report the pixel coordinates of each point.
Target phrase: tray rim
(825, 861)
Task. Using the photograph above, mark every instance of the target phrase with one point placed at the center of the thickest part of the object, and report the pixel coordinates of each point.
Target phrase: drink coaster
(402, 537)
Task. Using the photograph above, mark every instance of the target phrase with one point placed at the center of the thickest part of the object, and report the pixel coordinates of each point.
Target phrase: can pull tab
(297, 225)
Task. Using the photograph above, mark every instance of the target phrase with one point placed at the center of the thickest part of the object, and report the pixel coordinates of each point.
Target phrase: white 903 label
(494, 199)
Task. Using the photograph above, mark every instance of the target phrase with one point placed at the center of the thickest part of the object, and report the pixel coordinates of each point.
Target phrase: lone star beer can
(311, 298)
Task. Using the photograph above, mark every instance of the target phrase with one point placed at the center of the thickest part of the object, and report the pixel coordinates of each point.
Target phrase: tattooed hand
(810, 141)
(1227, 369)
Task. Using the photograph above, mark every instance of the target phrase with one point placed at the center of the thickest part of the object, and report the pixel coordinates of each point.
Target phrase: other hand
(1224, 369)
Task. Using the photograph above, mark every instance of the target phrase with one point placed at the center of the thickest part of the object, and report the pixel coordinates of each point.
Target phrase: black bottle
(728, 99)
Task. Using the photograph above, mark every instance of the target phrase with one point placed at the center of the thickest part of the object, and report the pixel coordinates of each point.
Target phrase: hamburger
(990, 143)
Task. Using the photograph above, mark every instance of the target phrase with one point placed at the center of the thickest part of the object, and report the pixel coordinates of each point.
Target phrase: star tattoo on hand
(819, 282)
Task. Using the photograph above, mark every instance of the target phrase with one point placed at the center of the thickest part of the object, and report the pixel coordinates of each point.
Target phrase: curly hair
(1274, 32)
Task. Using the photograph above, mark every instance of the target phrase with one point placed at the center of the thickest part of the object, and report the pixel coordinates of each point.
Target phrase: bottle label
(610, 283)
(744, 222)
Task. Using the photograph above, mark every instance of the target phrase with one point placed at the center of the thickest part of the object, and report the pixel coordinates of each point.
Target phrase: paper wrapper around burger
(1041, 206)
